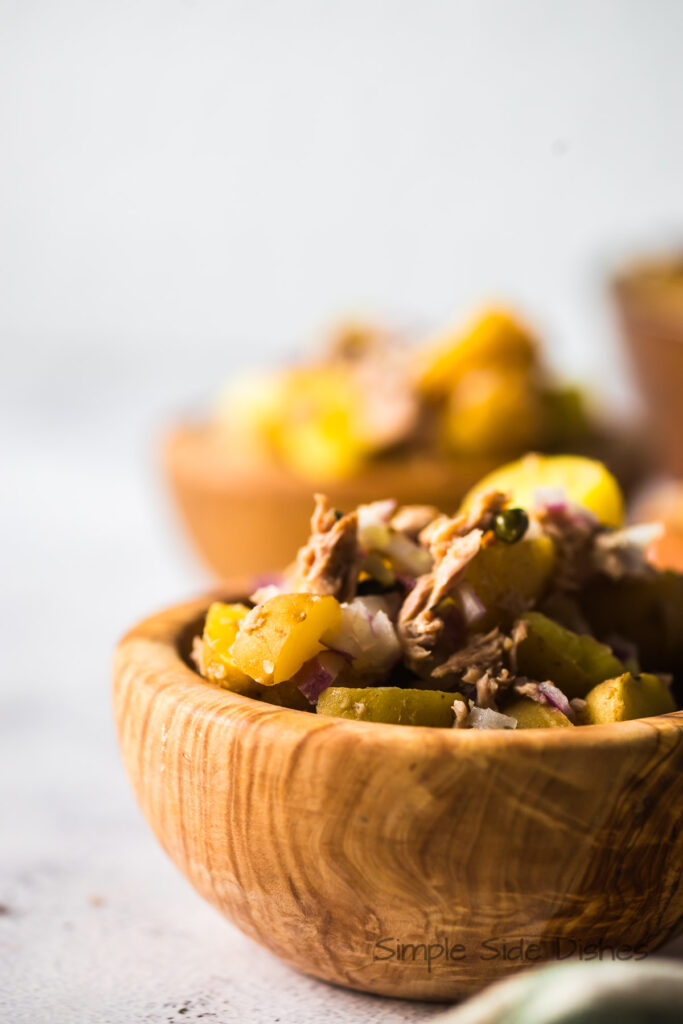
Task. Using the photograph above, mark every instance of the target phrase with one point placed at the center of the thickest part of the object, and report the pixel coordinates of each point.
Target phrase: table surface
(95, 923)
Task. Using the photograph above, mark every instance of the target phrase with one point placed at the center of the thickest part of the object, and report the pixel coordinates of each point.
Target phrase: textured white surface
(97, 924)
(225, 174)
(187, 186)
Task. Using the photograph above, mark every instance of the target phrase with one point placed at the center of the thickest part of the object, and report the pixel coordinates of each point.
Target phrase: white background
(187, 187)
(191, 178)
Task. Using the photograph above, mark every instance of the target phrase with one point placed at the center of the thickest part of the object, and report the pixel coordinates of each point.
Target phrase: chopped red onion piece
(487, 718)
(555, 698)
(554, 501)
(553, 498)
(623, 552)
(318, 673)
(473, 607)
(639, 536)
(265, 593)
(624, 650)
(383, 510)
(366, 634)
(375, 535)
(406, 581)
(268, 579)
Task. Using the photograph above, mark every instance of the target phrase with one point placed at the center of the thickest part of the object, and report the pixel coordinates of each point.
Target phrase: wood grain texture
(321, 838)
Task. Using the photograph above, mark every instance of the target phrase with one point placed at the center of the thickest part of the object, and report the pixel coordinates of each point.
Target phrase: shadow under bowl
(404, 861)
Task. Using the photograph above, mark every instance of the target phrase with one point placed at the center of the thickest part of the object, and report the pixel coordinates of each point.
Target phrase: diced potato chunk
(627, 697)
(531, 715)
(585, 482)
(495, 339)
(220, 629)
(278, 636)
(319, 435)
(251, 408)
(494, 410)
(390, 704)
(217, 664)
(502, 571)
(574, 663)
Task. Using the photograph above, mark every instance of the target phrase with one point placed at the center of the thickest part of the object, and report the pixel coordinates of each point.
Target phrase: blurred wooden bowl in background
(248, 517)
(649, 300)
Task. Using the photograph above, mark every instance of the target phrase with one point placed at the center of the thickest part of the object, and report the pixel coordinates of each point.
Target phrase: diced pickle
(531, 715)
(278, 636)
(390, 704)
(573, 662)
(566, 416)
(648, 612)
(507, 577)
(627, 697)
(283, 695)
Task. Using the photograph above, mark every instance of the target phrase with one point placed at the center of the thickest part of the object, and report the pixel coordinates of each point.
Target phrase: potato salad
(482, 391)
(532, 607)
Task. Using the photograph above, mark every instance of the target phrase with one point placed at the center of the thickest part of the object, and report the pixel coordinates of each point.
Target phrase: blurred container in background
(370, 418)
(649, 298)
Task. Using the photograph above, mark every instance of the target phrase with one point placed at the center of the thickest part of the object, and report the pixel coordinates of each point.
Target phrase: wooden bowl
(230, 507)
(248, 518)
(649, 301)
(355, 851)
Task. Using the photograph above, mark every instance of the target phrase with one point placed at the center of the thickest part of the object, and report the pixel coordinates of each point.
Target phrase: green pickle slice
(573, 662)
(648, 612)
(391, 704)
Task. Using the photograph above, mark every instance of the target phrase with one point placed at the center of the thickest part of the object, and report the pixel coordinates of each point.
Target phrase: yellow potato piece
(496, 339)
(503, 576)
(251, 407)
(494, 410)
(585, 482)
(218, 666)
(627, 697)
(321, 449)
(531, 715)
(319, 434)
(220, 629)
(278, 636)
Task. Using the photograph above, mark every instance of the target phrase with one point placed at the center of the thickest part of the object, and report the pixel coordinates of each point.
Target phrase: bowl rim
(184, 438)
(160, 636)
